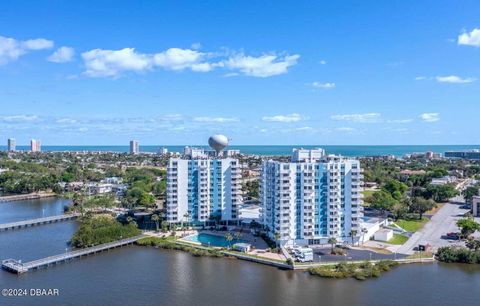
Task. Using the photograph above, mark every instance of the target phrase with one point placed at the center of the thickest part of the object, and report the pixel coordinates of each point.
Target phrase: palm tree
(164, 226)
(228, 237)
(185, 216)
(332, 241)
(155, 218)
(129, 219)
(364, 231)
(277, 238)
(353, 233)
(238, 235)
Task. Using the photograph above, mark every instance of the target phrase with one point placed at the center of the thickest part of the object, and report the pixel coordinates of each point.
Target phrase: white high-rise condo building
(134, 147)
(313, 198)
(12, 145)
(203, 189)
(35, 145)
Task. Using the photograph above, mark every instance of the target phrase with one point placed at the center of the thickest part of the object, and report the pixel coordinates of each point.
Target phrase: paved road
(443, 222)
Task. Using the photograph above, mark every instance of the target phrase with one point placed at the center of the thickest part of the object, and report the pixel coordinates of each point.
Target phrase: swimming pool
(212, 240)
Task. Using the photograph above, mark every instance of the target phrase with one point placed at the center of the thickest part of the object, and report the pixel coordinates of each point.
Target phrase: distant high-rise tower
(35, 145)
(12, 145)
(134, 147)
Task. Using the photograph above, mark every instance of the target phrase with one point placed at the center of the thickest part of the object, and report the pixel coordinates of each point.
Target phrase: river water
(136, 275)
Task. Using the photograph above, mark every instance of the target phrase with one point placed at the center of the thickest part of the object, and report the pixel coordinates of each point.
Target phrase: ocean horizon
(278, 150)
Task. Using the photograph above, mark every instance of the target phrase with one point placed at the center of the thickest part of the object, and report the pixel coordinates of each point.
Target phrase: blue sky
(290, 72)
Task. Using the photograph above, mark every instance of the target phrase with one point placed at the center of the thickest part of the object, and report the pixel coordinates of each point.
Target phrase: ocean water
(345, 150)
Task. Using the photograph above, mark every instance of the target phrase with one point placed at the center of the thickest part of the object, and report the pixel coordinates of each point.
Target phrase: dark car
(453, 235)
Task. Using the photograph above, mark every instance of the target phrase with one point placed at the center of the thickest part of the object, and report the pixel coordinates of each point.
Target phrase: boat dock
(16, 266)
(39, 221)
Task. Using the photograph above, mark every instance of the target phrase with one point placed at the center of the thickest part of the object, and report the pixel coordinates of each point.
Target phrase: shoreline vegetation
(101, 229)
(359, 271)
(170, 243)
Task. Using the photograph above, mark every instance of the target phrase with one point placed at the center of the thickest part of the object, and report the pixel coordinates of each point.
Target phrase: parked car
(453, 235)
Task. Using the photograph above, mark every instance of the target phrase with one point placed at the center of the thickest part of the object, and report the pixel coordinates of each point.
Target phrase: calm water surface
(146, 276)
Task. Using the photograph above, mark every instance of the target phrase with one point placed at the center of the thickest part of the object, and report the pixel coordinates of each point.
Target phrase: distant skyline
(291, 72)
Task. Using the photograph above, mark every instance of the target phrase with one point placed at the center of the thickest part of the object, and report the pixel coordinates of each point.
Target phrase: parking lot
(323, 255)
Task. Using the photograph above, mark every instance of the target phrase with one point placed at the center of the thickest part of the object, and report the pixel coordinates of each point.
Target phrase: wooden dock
(39, 221)
(16, 266)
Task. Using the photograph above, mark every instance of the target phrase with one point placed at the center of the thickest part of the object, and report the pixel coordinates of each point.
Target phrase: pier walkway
(39, 221)
(16, 266)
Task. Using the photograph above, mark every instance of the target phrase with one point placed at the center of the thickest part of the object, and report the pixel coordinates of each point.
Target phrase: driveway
(443, 222)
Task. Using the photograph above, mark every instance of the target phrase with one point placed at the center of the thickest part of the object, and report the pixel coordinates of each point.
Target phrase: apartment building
(311, 199)
(202, 190)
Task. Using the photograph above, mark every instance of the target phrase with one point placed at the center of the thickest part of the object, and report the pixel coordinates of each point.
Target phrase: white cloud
(262, 66)
(66, 120)
(323, 62)
(112, 63)
(11, 49)
(345, 129)
(215, 119)
(454, 79)
(430, 117)
(62, 55)
(400, 121)
(283, 118)
(19, 118)
(362, 118)
(470, 38)
(420, 78)
(323, 85)
(180, 59)
(304, 128)
(37, 44)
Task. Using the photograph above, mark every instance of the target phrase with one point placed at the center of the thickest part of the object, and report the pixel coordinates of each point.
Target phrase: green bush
(458, 254)
(170, 244)
(101, 229)
(359, 271)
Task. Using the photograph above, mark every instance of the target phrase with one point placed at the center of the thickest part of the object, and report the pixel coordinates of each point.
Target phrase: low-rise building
(444, 180)
(471, 154)
(476, 206)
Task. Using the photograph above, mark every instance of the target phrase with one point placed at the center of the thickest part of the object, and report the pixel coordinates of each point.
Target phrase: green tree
(332, 241)
(155, 218)
(395, 186)
(468, 226)
(421, 205)
(441, 193)
(228, 237)
(353, 233)
(382, 200)
(164, 226)
(469, 193)
(400, 210)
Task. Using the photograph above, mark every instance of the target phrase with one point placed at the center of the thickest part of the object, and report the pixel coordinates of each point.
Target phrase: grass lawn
(398, 239)
(420, 255)
(411, 225)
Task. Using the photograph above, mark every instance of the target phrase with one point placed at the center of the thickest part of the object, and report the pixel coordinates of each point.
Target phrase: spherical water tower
(218, 143)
